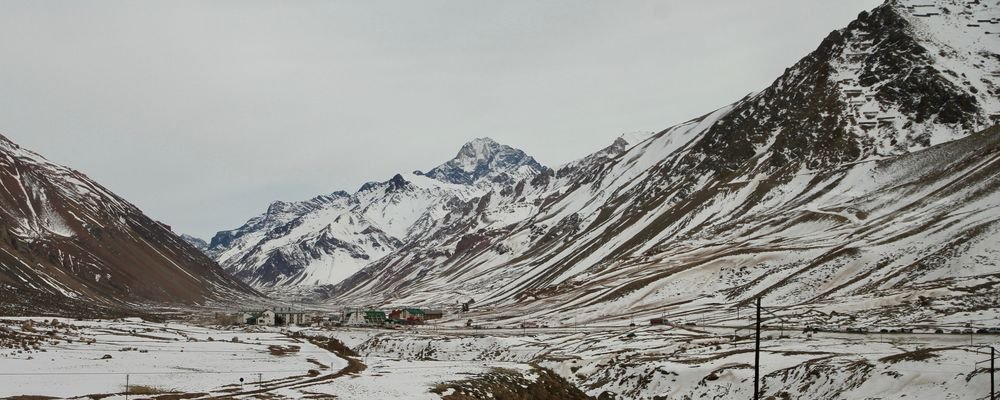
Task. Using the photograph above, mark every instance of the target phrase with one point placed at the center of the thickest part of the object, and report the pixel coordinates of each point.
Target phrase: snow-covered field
(73, 358)
(68, 358)
(708, 362)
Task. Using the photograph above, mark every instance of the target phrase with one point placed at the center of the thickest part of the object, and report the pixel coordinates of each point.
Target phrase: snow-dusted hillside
(69, 246)
(845, 180)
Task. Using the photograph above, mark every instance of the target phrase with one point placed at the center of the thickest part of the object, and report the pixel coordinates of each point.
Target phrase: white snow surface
(178, 358)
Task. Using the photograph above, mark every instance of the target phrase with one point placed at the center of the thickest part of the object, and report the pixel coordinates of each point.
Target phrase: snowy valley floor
(66, 358)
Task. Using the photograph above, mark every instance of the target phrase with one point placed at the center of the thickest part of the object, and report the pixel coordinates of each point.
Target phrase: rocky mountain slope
(70, 246)
(838, 181)
(856, 178)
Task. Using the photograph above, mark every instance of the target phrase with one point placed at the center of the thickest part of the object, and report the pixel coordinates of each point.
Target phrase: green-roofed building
(375, 317)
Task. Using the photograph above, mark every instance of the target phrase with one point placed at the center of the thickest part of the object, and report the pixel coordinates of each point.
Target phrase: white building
(256, 317)
(355, 318)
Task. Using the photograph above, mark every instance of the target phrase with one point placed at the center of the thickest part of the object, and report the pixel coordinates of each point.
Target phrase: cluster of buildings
(287, 316)
(275, 316)
(398, 316)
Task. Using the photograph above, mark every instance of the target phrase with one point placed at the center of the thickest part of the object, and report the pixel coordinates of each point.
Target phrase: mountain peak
(634, 138)
(479, 149)
(482, 141)
(7, 142)
(483, 157)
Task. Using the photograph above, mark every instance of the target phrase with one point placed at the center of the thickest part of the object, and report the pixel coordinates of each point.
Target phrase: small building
(272, 317)
(375, 317)
(396, 317)
(406, 316)
(658, 321)
(467, 305)
(412, 315)
(853, 92)
(289, 316)
(354, 318)
(266, 318)
(433, 314)
(256, 317)
(365, 318)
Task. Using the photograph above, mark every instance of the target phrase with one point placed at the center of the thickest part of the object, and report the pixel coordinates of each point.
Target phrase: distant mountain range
(859, 175)
(328, 238)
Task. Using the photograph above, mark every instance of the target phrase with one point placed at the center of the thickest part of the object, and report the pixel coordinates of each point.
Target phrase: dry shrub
(147, 390)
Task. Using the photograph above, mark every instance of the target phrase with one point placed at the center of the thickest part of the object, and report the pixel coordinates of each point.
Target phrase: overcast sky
(202, 113)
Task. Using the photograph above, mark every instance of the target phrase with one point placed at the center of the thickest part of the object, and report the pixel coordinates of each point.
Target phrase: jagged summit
(633, 138)
(6, 142)
(484, 157)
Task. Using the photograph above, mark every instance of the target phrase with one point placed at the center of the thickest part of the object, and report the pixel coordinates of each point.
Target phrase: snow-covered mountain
(197, 242)
(857, 174)
(484, 158)
(856, 178)
(328, 238)
(69, 246)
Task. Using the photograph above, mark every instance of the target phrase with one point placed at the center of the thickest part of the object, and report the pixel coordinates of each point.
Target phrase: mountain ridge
(836, 108)
(329, 237)
(609, 231)
(67, 244)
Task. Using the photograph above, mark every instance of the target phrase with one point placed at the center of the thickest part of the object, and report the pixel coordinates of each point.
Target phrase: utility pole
(756, 358)
(993, 358)
(126, 387)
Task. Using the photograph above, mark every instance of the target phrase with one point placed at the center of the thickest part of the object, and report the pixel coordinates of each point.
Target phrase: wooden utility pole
(756, 357)
(126, 386)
